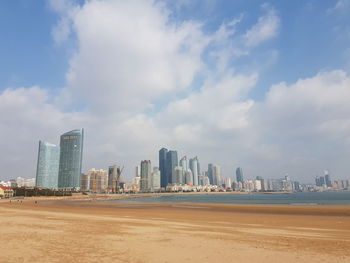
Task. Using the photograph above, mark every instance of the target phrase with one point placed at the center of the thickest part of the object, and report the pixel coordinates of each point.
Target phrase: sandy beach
(63, 230)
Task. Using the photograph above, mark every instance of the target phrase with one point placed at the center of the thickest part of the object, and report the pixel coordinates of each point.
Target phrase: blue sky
(257, 84)
(308, 40)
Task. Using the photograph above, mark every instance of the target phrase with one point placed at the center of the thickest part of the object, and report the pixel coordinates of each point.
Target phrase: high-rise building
(198, 167)
(98, 180)
(189, 177)
(194, 169)
(317, 181)
(179, 175)
(239, 175)
(322, 181)
(171, 163)
(164, 178)
(327, 179)
(216, 175)
(137, 171)
(71, 155)
(47, 166)
(183, 163)
(146, 170)
(155, 179)
(210, 173)
(114, 173)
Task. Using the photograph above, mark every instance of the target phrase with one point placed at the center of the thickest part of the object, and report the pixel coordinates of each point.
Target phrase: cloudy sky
(264, 85)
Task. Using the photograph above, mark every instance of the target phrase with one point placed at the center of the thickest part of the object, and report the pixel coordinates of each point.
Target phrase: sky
(264, 85)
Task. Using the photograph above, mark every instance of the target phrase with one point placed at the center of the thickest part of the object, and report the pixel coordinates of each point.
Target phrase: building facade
(71, 155)
(194, 169)
(146, 170)
(162, 167)
(210, 173)
(239, 175)
(47, 165)
(114, 173)
(171, 163)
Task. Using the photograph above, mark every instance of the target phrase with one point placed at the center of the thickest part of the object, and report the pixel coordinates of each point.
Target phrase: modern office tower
(171, 163)
(210, 173)
(84, 182)
(189, 177)
(198, 167)
(327, 179)
(155, 179)
(162, 167)
(146, 170)
(183, 163)
(98, 180)
(137, 171)
(322, 181)
(114, 173)
(47, 166)
(216, 174)
(194, 169)
(179, 175)
(317, 181)
(239, 175)
(71, 155)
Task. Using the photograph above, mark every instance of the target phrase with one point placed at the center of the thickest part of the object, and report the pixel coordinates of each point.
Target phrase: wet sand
(87, 231)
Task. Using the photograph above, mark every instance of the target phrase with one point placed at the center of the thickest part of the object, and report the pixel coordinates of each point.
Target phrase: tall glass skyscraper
(210, 173)
(171, 162)
(162, 167)
(71, 155)
(239, 175)
(194, 169)
(47, 166)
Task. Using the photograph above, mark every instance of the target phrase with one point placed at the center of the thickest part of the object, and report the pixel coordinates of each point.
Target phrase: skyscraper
(217, 175)
(189, 177)
(210, 173)
(146, 170)
(239, 175)
(113, 178)
(71, 154)
(47, 166)
(171, 163)
(194, 169)
(155, 179)
(162, 167)
(327, 179)
(179, 175)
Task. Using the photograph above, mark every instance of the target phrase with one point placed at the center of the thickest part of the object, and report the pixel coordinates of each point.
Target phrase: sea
(298, 198)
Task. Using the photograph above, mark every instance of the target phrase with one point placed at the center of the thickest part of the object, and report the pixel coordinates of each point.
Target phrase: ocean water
(307, 198)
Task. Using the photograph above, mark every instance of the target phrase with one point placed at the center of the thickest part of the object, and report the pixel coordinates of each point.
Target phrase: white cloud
(342, 7)
(265, 29)
(132, 72)
(129, 55)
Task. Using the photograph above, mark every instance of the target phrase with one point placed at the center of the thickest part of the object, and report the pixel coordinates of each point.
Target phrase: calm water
(309, 198)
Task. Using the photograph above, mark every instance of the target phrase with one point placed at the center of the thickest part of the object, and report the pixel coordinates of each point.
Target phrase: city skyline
(234, 82)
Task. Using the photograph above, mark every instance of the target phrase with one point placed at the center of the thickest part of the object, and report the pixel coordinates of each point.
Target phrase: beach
(76, 229)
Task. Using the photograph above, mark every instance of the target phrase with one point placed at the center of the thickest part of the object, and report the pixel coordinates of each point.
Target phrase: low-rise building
(6, 192)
